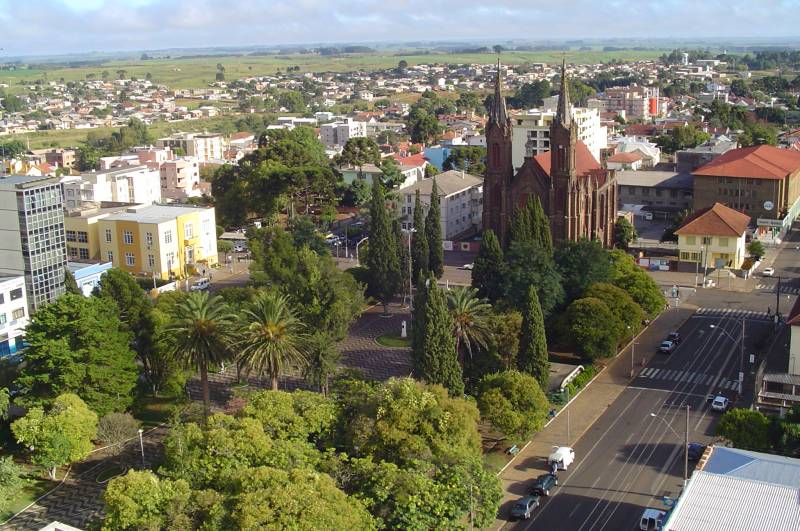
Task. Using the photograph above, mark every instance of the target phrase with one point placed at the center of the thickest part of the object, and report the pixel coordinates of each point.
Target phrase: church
(577, 193)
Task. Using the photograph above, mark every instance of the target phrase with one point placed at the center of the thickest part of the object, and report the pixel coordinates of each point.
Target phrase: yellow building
(713, 237)
(165, 240)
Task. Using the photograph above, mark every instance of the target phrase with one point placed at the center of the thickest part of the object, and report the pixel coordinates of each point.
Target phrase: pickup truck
(544, 483)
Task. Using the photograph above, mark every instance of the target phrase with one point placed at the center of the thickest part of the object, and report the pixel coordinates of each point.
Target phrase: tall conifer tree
(419, 243)
(433, 233)
(383, 264)
(488, 267)
(436, 360)
(533, 357)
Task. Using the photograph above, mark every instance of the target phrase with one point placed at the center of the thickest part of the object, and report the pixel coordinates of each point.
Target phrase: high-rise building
(32, 239)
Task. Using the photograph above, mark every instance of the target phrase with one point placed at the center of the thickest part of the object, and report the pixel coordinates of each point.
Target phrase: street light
(141, 445)
(741, 352)
(362, 240)
(408, 233)
(686, 443)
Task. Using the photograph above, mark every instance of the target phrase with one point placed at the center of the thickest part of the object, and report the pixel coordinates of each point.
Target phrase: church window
(496, 153)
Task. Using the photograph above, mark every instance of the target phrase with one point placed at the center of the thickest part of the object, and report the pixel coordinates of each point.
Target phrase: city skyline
(128, 25)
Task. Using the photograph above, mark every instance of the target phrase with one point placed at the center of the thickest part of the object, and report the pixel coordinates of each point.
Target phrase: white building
(135, 184)
(461, 202)
(530, 134)
(32, 239)
(180, 178)
(205, 147)
(13, 313)
(338, 133)
(649, 152)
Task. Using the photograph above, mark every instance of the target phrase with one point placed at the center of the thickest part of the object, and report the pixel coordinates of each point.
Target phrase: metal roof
(743, 464)
(714, 502)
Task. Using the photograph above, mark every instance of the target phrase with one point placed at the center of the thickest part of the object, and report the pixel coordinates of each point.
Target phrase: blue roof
(756, 466)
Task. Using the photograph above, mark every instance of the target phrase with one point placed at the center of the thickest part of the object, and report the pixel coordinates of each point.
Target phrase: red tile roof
(625, 157)
(755, 162)
(584, 160)
(413, 160)
(716, 220)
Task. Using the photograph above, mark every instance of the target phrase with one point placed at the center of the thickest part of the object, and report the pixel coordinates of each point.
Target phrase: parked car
(768, 272)
(675, 337)
(720, 403)
(544, 483)
(524, 507)
(468, 267)
(667, 347)
(652, 519)
(696, 451)
(561, 458)
(239, 247)
(200, 285)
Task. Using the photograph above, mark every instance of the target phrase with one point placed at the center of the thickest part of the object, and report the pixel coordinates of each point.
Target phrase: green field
(199, 72)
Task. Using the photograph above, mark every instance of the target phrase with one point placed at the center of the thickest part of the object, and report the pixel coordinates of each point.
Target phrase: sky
(69, 26)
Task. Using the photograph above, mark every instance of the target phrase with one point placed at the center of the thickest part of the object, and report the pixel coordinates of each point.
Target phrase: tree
(433, 234)
(224, 246)
(5, 402)
(677, 220)
(470, 159)
(759, 133)
(115, 429)
(487, 270)
(78, 345)
(531, 95)
(755, 249)
(392, 177)
(419, 242)
(322, 360)
(470, 320)
(624, 233)
(292, 101)
(530, 224)
(359, 151)
(527, 265)
(70, 284)
(10, 481)
(383, 263)
(637, 283)
(273, 338)
(204, 330)
(59, 436)
(581, 264)
(514, 403)
(621, 305)
(142, 500)
(422, 126)
(533, 356)
(437, 359)
(745, 428)
(594, 329)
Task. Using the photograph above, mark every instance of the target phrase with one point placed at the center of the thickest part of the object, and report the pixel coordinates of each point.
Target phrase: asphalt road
(787, 267)
(630, 459)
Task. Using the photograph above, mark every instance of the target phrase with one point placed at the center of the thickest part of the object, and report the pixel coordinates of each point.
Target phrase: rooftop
(584, 160)
(663, 179)
(449, 183)
(25, 181)
(716, 220)
(755, 466)
(755, 162)
(624, 157)
(153, 213)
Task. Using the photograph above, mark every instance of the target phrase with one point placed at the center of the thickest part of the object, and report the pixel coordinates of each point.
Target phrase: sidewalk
(587, 406)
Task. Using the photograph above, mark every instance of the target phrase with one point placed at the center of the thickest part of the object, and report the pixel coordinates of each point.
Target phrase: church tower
(563, 173)
(497, 207)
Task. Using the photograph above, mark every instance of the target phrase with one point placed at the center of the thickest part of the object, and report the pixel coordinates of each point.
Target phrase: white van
(652, 519)
(561, 458)
(200, 285)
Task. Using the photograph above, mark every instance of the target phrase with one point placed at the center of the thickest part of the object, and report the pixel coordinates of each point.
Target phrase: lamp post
(362, 240)
(686, 443)
(408, 233)
(741, 352)
(141, 445)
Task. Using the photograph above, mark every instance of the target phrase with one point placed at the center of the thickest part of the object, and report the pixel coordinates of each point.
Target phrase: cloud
(60, 26)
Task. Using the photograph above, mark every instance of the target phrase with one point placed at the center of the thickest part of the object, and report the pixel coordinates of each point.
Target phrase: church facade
(577, 194)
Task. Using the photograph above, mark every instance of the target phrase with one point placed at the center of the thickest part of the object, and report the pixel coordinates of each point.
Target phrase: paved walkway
(583, 410)
(78, 500)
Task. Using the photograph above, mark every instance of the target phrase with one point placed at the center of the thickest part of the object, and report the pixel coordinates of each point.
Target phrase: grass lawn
(393, 340)
(35, 486)
(152, 411)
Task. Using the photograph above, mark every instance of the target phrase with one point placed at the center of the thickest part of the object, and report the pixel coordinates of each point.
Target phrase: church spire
(563, 113)
(499, 114)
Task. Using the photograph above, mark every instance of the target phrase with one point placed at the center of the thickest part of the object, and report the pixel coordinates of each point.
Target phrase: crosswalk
(789, 290)
(733, 313)
(689, 377)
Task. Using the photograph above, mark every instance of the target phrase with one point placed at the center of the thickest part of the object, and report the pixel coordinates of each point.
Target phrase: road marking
(573, 510)
(646, 372)
(656, 373)
(687, 376)
(666, 391)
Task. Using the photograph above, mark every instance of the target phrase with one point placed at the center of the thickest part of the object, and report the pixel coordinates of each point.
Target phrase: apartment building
(638, 103)
(14, 316)
(205, 147)
(180, 179)
(338, 133)
(61, 158)
(530, 134)
(460, 197)
(134, 184)
(32, 239)
(158, 240)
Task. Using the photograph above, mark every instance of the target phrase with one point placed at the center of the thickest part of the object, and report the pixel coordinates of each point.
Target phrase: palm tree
(273, 338)
(204, 329)
(470, 319)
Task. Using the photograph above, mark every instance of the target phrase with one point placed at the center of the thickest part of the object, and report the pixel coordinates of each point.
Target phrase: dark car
(544, 483)
(524, 507)
(675, 337)
(696, 451)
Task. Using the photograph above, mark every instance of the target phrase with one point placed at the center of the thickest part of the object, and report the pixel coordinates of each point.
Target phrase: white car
(200, 285)
(768, 272)
(720, 403)
(652, 519)
(561, 458)
(468, 267)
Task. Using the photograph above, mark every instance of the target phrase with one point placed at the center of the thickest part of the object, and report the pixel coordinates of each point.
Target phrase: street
(629, 459)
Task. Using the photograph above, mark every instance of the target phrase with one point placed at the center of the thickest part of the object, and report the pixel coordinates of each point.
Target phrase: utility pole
(686, 451)
(741, 362)
(778, 299)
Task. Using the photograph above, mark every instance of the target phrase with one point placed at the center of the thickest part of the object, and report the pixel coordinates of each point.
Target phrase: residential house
(624, 161)
(88, 275)
(713, 237)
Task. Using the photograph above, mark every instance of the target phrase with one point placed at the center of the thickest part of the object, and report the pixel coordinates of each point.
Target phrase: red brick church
(577, 193)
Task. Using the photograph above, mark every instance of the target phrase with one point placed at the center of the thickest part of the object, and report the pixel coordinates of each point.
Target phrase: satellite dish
(768, 205)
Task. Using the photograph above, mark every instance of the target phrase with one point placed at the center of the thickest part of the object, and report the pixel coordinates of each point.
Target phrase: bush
(755, 249)
(513, 403)
(589, 372)
(746, 429)
(115, 429)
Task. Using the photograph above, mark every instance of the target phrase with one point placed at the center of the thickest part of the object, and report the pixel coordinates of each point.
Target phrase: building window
(83, 237)
(2, 318)
(151, 261)
(707, 240)
(73, 252)
(129, 259)
(108, 235)
(723, 242)
(70, 235)
(84, 254)
(110, 256)
(149, 238)
(188, 231)
(19, 313)
(690, 240)
(15, 294)
(168, 236)
(127, 236)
